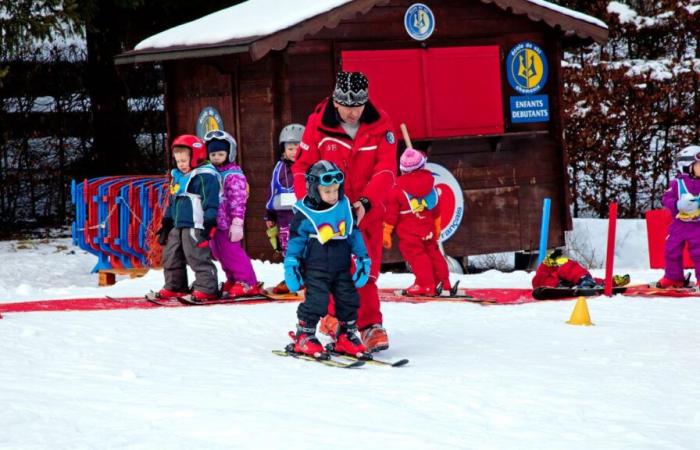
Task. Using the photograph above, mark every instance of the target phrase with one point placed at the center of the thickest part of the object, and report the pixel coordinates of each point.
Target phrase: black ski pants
(319, 285)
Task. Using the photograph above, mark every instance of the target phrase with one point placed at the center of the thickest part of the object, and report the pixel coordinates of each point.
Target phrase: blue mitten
(292, 274)
(362, 267)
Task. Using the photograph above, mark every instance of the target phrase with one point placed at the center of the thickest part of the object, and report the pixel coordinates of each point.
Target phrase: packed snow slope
(495, 377)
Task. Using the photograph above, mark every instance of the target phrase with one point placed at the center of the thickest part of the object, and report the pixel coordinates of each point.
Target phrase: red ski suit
(569, 274)
(416, 229)
(369, 165)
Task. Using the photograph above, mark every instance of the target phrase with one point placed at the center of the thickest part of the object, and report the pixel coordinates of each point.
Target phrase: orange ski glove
(438, 229)
(386, 235)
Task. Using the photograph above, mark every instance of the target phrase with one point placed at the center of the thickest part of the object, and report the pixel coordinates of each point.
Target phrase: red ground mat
(482, 296)
(646, 291)
(101, 303)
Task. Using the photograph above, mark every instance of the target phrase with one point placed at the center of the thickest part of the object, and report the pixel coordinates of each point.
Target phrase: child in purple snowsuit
(226, 244)
(279, 213)
(682, 199)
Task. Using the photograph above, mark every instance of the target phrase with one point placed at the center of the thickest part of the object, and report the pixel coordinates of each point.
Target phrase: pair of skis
(340, 360)
(439, 291)
(189, 300)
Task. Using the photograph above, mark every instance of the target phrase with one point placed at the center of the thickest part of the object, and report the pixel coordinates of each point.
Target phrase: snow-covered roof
(259, 26)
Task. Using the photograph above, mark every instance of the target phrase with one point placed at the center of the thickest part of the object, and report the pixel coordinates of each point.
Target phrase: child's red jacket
(418, 225)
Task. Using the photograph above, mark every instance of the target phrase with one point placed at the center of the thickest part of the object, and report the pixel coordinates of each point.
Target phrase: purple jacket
(671, 195)
(234, 196)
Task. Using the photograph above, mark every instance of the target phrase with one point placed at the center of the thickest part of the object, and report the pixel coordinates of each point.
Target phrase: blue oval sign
(419, 21)
(527, 68)
(209, 119)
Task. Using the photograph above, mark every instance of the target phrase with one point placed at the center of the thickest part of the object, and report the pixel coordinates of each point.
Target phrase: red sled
(658, 221)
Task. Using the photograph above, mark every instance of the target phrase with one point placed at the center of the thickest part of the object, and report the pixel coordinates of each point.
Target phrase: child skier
(279, 206)
(323, 238)
(556, 270)
(226, 244)
(682, 199)
(413, 210)
(188, 222)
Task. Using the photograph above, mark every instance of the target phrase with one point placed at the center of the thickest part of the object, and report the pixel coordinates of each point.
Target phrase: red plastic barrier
(658, 221)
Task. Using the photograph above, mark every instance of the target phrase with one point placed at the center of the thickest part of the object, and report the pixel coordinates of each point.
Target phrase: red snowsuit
(569, 274)
(369, 165)
(416, 228)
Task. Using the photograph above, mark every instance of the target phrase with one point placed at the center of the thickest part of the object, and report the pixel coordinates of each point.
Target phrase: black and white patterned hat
(351, 89)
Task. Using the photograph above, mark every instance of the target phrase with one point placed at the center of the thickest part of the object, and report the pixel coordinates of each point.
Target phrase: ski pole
(544, 230)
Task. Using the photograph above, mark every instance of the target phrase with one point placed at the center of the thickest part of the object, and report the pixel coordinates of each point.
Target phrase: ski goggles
(214, 134)
(689, 159)
(331, 177)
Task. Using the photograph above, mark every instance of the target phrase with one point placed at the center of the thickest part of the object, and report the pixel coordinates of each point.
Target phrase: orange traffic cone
(580, 315)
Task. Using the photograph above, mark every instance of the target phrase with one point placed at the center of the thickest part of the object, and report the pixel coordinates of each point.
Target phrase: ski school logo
(419, 21)
(527, 68)
(450, 198)
(209, 119)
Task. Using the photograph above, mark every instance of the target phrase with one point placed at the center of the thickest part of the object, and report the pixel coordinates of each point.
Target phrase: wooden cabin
(445, 67)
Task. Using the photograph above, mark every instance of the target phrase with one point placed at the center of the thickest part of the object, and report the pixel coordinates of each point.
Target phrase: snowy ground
(498, 377)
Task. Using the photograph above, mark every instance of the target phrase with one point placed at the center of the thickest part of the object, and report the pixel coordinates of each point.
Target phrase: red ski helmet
(198, 151)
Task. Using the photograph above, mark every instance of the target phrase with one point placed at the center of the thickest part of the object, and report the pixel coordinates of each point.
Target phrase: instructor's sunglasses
(332, 177)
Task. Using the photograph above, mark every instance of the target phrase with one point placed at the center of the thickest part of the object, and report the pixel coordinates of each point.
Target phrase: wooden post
(107, 277)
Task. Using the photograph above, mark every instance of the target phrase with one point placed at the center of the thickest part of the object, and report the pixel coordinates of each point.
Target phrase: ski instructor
(348, 130)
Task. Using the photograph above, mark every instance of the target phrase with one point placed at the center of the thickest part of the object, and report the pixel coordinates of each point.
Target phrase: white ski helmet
(686, 158)
(221, 141)
(291, 133)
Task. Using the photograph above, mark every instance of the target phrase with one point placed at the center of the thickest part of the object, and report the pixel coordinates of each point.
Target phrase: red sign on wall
(436, 92)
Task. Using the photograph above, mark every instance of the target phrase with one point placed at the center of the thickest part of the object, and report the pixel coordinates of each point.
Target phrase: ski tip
(358, 363)
(400, 363)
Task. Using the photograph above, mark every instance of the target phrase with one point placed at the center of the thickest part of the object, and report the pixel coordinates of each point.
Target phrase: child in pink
(226, 244)
(413, 209)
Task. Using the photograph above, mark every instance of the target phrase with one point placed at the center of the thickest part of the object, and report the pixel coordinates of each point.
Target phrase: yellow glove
(272, 233)
(438, 229)
(386, 235)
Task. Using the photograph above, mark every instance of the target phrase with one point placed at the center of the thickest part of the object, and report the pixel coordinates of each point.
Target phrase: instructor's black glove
(165, 227)
(365, 204)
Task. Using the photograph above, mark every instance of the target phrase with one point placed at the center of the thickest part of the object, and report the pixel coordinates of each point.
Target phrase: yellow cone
(580, 315)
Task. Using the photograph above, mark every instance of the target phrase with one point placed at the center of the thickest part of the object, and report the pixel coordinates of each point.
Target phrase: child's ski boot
(281, 288)
(199, 296)
(375, 338)
(347, 342)
(241, 289)
(621, 280)
(306, 343)
(167, 294)
(420, 291)
(667, 283)
(587, 282)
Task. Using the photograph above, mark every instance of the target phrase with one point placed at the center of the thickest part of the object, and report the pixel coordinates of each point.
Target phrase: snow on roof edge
(569, 12)
(259, 18)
